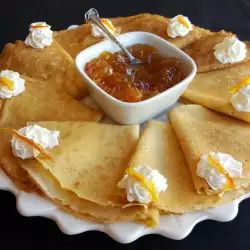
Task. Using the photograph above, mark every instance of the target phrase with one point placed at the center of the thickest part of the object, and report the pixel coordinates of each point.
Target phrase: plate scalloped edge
(171, 226)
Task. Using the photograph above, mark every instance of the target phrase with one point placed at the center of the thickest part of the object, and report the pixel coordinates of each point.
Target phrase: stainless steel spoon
(93, 16)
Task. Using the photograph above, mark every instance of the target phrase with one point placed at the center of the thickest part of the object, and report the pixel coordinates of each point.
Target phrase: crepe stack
(75, 40)
(39, 101)
(89, 161)
(160, 149)
(201, 131)
(51, 64)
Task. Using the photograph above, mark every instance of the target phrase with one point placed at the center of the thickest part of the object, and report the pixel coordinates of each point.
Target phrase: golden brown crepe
(91, 158)
(39, 101)
(201, 131)
(76, 40)
(70, 202)
(159, 148)
(210, 89)
(51, 64)
(202, 51)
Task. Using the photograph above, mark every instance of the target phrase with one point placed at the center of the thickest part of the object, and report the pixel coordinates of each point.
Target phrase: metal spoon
(93, 16)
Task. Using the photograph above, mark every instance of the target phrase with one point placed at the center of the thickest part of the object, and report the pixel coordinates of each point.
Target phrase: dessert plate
(171, 226)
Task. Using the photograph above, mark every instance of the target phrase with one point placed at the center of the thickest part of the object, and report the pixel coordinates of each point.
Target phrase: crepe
(202, 52)
(210, 89)
(201, 131)
(39, 101)
(76, 40)
(159, 148)
(91, 158)
(70, 202)
(51, 64)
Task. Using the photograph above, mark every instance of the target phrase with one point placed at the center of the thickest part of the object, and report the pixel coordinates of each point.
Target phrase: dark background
(17, 232)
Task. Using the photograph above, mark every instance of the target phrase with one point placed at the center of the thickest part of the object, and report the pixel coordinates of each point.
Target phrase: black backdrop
(17, 232)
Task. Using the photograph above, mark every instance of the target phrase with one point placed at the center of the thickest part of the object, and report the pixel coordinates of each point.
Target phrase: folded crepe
(201, 131)
(91, 158)
(202, 52)
(70, 202)
(51, 64)
(76, 40)
(39, 101)
(211, 89)
(159, 148)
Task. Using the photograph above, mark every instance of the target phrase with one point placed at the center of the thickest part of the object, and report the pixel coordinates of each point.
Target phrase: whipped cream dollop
(220, 170)
(230, 50)
(40, 35)
(144, 185)
(179, 26)
(42, 136)
(11, 84)
(96, 31)
(241, 99)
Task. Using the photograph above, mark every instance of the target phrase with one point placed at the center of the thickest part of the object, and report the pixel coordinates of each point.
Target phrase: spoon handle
(93, 16)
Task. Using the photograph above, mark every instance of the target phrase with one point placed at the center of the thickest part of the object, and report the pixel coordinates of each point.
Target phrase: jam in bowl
(113, 73)
(134, 95)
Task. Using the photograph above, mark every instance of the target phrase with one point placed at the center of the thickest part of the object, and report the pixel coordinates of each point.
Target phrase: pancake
(76, 40)
(91, 158)
(210, 89)
(51, 64)
(70, 202)
(159, 148)
(39, 101)
(202, 52)
(201, 131)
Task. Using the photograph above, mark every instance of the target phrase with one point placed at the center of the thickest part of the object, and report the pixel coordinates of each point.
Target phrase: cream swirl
(179, 26)
(40, 35)
(135, 189)
(16, 84)
(213, 174)
(241, 99)
(230, 50)
(42, 136)
(97, 32)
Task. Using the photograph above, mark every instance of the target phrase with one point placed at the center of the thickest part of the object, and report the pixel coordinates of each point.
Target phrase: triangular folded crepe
(76, 40)
(39, 101)
(159, 148)
(201, 131)
(51, 64)
(70, 202)
(91, 158)
(211, 89)
(202, 51)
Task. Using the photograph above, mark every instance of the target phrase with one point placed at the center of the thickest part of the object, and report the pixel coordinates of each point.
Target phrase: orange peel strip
(28, 141)
(9, 84)
(146, 184)
(230, 182)
(239, 85)
(108, 24)
(38, 26)
(183, 21)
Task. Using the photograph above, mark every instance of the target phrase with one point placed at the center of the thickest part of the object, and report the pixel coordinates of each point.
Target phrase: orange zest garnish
(239, 85)
(183, 21)
(9, 84)
(28, 141)
(230, 182)
(108, 24)
(38, 26)
(146, 184)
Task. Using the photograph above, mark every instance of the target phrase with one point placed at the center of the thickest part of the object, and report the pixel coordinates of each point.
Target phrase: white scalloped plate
(171, 226)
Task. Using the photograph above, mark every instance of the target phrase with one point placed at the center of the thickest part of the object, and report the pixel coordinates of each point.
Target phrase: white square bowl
(137, 112)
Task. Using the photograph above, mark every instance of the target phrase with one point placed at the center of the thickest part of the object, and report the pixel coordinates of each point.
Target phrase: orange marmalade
(114, 74)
